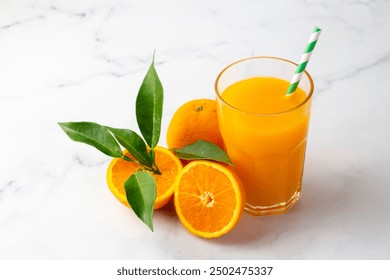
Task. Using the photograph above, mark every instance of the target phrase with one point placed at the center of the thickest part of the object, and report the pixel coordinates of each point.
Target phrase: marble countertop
(85, 60)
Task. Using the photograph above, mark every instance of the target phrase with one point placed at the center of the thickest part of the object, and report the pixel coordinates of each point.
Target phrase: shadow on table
(323, 196)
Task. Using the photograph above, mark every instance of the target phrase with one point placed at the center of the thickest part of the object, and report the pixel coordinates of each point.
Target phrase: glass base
(273, 209)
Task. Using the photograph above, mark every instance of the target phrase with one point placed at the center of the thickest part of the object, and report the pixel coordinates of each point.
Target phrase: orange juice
(265, 134)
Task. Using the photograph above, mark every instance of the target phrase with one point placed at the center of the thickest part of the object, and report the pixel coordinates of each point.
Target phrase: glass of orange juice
(264, 130)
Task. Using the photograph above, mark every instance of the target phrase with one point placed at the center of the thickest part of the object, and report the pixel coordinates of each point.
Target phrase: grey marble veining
(85, 60)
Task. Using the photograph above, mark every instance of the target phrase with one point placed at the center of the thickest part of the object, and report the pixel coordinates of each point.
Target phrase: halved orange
(169, 165)
(209, 198)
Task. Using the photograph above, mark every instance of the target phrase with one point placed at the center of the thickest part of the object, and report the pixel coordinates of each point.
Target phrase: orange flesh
(204, 194)
(168, 165)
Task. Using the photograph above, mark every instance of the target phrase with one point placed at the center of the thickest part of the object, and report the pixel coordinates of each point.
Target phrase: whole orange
(194, 120)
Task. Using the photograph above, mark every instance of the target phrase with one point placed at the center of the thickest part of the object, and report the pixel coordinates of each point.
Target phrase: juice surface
(267, 146)
(262, 95)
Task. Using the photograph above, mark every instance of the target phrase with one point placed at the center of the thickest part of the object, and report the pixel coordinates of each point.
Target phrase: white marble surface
(84, 60)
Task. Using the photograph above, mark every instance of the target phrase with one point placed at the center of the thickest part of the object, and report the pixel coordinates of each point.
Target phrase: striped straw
(304, 60)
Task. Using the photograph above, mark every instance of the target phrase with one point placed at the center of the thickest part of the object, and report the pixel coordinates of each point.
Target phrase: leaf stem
(127, 158)
(154, 169)
(158, 172)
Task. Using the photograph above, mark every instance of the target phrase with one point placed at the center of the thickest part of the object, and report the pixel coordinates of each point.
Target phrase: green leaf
(134, 144)
(202, 149)
(141, 194)
(149, 107)
(93, 134)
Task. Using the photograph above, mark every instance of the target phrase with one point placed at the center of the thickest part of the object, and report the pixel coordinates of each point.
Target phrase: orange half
(209, 199)
(120, 170)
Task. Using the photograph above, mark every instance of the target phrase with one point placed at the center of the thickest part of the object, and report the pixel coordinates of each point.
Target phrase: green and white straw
(304, 60)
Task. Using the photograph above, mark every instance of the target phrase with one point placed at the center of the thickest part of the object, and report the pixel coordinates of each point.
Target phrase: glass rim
(219, 96)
